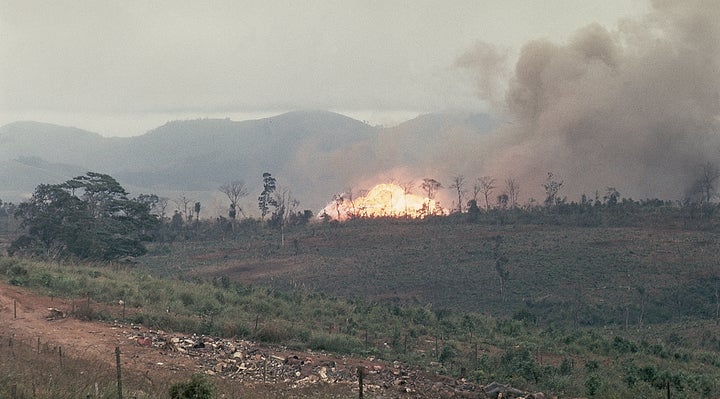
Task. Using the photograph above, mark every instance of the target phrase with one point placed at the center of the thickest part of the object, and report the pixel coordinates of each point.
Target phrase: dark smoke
(635, 108)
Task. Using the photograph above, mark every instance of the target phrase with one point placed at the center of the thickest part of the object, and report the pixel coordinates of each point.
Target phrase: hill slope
(313, 153)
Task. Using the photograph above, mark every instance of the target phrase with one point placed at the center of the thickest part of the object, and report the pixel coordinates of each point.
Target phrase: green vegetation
(88, 217)
(198, 387)
(603, 298)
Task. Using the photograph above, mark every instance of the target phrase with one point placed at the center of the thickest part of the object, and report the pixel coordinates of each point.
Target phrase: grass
(607, 311)
(578, 275)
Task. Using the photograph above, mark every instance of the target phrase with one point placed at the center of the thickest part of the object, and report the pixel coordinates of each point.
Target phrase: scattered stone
(55, 314)
(248, 362)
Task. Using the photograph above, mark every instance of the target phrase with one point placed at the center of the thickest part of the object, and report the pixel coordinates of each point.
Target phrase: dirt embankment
(163, 356)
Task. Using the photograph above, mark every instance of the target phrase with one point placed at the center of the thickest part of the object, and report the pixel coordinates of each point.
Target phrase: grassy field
(562, 275)
(606, 312)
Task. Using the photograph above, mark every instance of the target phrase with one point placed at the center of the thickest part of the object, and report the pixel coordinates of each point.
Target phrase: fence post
(14, 308)
(119, 375)
(265, 370)
(360, 381)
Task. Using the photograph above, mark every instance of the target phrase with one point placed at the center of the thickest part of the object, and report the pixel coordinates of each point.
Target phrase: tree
(234, 191)
(485, 185)
(284, 205)
(182, 204)
(552, 187)
(458, 184)
(407, 189)
(513, 191)
(89, 217)
(430, 186)
(266, 198)
(703, 189)
(611, 196)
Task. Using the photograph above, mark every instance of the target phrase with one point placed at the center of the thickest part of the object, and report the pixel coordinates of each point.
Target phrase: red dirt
(24, 317)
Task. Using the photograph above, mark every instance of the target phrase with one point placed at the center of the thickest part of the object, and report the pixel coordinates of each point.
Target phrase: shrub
(338, 343)
(198, 387)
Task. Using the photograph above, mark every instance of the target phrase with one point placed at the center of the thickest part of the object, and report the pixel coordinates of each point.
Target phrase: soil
(160, 355)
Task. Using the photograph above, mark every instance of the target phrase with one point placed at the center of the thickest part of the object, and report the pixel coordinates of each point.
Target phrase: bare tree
(430, 186)
(485, 185)
(182, 204)
(161, 206)
(457, 185)
(351, 198)
(234, 191)
(407, 189)
(513, 191)
(705, 184)
(285, 204)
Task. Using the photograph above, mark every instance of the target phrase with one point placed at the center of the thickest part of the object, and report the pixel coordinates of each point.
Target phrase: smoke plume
(635, 108)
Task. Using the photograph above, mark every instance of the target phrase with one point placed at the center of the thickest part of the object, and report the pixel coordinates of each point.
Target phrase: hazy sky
(122, 68)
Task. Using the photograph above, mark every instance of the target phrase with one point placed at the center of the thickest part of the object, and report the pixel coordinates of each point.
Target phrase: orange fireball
(383, 200)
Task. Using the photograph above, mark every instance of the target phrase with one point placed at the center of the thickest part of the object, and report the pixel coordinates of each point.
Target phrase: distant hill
(314, 154)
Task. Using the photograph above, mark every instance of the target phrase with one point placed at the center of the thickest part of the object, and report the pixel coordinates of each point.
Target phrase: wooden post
(14, 308)
(123, 312)
(38, 345)
(265, 370)
(60, 351)
(360, 381)
(119, 375)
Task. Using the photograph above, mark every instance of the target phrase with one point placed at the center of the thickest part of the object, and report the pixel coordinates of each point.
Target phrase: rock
(219, 367)
(55, 314)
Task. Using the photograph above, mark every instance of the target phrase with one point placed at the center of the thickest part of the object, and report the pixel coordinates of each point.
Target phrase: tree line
(92, 216)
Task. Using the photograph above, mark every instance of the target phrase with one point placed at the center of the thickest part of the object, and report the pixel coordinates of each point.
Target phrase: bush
(338, 343)
(198, 387)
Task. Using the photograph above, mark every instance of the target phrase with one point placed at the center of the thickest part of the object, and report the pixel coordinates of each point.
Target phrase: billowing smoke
(635, 108)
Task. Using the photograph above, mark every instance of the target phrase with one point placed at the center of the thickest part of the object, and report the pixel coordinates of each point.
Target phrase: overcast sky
(120, 68)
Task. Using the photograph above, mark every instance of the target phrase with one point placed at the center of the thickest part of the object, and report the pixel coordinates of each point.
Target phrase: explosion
(383, 200)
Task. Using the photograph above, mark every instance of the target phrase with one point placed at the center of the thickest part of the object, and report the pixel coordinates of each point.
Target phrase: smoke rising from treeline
(635, 108)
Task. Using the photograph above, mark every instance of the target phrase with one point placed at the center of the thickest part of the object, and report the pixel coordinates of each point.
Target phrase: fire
(383, 200)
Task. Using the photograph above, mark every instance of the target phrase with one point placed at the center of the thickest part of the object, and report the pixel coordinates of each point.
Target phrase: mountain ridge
(314, 154)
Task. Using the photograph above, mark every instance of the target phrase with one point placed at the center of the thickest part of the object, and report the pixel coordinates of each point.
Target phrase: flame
(383, 200)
